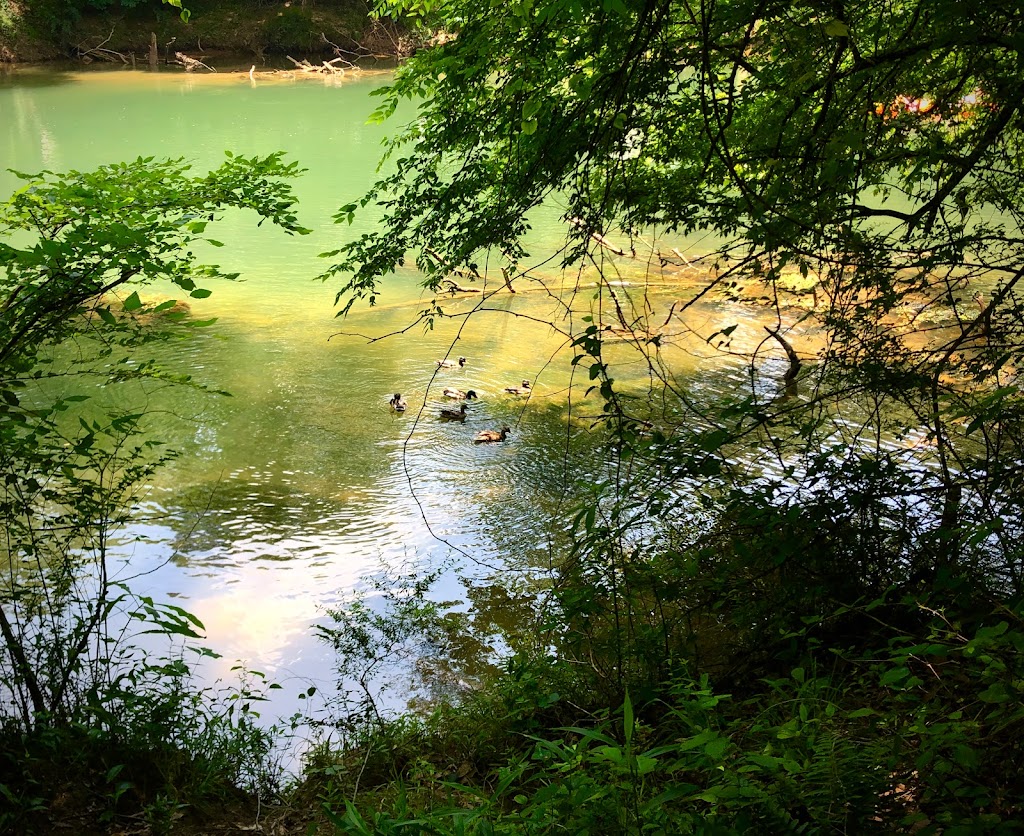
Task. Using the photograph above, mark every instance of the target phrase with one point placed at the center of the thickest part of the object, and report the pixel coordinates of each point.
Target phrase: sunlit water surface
(302, 482)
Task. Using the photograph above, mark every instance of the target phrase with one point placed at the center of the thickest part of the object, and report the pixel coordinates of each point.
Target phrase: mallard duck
(454, 414)
(398, 403)
(487, 436)
(459, 395)
(525, 389)
(451, 364)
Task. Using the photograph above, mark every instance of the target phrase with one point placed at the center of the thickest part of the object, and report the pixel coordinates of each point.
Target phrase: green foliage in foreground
(74, 251)
(90, 676)
(155, 751)
(915, 733)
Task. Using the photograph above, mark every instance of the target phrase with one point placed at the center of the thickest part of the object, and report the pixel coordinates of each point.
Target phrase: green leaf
(995, 693)
(645, 765)
(716, 749)
(113, 772)
(696, 741)
(837, 29)
(132, 303)
(768, 762)
(611, 753)
(894, 676)
(628, 720)
(992, 632)
(590, 734)
(965, 756)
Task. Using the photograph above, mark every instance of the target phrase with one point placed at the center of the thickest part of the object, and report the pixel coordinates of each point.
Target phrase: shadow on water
(35, 77)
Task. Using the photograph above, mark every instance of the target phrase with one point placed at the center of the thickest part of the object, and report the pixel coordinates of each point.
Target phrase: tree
(71, 247)
(857, 166)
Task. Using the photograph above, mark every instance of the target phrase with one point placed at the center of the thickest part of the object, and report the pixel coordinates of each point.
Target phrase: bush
(293, 29)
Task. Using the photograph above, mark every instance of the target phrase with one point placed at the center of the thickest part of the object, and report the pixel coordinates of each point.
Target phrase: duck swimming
(451, 364)
(454, 414)
(459, 395)
(488, 436)
(525, 389)
(398, 403)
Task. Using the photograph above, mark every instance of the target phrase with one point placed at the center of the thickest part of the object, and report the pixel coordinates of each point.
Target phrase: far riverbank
(263, 32)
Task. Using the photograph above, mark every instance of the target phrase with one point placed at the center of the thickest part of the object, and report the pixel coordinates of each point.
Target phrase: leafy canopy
(870, 150)
(74, 248)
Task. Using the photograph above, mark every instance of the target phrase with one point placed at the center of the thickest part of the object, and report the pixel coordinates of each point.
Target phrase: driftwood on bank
(469, 272)
(191, 64)
(98, 52)
(448, 283)
(683, 260)
(360, 52)
(789, 378)
(324, 67)
(452, 287)
(600, 239)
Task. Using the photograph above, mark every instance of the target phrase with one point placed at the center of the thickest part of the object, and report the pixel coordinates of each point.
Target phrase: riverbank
(257, 31)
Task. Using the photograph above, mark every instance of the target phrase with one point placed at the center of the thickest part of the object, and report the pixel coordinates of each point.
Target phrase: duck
(525, 389)
(398, 403)
(488, 436)
(459, 395)
(454, 414)
(451, 364)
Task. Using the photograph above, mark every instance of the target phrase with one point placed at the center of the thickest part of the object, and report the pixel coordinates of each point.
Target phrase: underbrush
(915, 732)
(153, 753)
(893, 731)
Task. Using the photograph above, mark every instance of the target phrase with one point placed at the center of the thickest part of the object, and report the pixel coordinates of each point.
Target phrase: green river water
(304, 481)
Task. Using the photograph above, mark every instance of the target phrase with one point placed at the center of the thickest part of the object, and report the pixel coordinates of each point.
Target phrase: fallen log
(99, 52)
(323, 68)
(449, 286)
(599, 238)
(191, 64)
(789, 378)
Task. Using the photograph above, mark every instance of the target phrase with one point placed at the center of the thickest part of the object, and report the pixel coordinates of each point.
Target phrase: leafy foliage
(82, 697)
(853, 173)
(154, 750)
(888, 741)
(71, 476)
(873, 155)
(866, 157)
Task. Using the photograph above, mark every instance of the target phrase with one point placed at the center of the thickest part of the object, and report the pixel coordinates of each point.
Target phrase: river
(303, 482)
